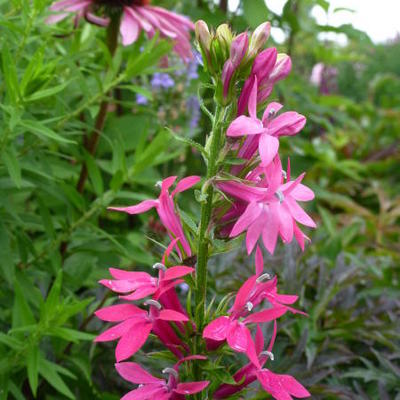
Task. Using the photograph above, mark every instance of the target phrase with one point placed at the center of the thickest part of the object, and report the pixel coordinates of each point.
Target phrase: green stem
(206, 211)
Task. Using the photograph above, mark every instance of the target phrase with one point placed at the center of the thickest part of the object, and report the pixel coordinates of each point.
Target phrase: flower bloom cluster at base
(136, 17)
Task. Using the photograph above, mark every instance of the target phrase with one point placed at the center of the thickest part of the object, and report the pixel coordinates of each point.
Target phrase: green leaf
(10, 160)
(255, 12)
(10, 74)
(32, 366)
(53, 298)
(328, 220)
(22, 314)
(43, 131)
(11, 342)
(189, 142)
(42, 94)
(70, 335)
(94, 174)
(50, 373)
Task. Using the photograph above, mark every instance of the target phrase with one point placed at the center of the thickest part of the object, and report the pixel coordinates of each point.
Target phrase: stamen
(280, 196)
(271, 112)
(154, 303)
(264, 277)
(170, 371)
(159, 266)
(284, 174)
(249, 305)
(158, 184)
(269, 354)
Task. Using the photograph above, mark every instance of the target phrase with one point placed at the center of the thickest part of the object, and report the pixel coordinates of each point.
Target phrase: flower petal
(268, 147)
(217, 329)
(191, 387)
(134, 373)
(266, 315)
(299, 214)
(251, 213)
(186, 183)
(119, 312)
(142, 207)
(243, 125)
(177, 272)
(171, 315)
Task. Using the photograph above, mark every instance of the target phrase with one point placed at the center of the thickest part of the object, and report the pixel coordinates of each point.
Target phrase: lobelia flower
(265, 132)
(134, 325)
(272, 207)
(281, 387)
(151, 387)
(137, 16)
(261, 287)
(233, 329)
(166, 209)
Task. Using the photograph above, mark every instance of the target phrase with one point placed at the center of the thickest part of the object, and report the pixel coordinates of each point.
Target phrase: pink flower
(233, 328)
(281, 387)
(135, 325)
(166, 209)
(260, 287)
(265, 132)
(155, 388)
(272, 207)
(137, 17)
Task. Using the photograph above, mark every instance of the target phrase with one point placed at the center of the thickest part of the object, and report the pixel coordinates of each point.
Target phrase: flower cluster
(256, 196)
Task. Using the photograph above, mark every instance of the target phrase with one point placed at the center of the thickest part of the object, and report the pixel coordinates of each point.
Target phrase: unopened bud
(203, 35)
(239, 48)
(224, 38)
(264, 64)
(282, 67)
(259, 38)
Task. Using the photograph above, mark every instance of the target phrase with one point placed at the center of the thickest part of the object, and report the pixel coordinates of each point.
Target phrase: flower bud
(282, 67)
(203, 35)
(239, 48)
(224, 38)
(264, 64)
(259, 38)
(226, 77)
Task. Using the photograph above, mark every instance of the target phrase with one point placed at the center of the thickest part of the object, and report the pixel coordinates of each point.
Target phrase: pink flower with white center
(151, 387)
(137, 16)
(266, 132)
(166, 209)
(261, 287)
(281, 387)
(135, 325)
(272, 207)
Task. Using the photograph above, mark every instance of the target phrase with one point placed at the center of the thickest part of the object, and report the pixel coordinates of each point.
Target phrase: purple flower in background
(193, 109)
(141, 100)
(193, 65)
(162, 81)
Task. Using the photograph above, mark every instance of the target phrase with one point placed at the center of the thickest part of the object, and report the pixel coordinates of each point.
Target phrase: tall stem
(206, 210)
(92, 142)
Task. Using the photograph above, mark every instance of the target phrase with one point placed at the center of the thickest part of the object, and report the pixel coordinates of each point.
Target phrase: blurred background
(56, 242)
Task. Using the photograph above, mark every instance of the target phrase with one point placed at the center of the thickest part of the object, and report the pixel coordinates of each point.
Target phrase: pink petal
(237, 337)
(167, 183)
(129, 29)
(116, 331)
(132, 340)
(285, 222)
(259, 343)
(189, 358)
(134, 373)
(166, 287)
(299, 214)
(259, 261)
(191, 387)
(147, 392)
(243, 293)
(299, 235)
(270, 112)
(254, 232)
(129, 275)
(241, 191)
(264, 64)
(266, 315)
(139, 293)
(243, 125)
(287, 124)
(302, 193)
(177, 272)
(286, 298)
(120, 286)
(273, 337)
(268, 147)
(253, 101)
(217, 329)
(186, 183)
(171, 315)
(142, 207)
(271, 229)
(294, 387)
(251, 213)
(169, 250)
(119, 312)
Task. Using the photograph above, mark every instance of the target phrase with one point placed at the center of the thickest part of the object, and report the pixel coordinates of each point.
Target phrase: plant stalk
(206, 211)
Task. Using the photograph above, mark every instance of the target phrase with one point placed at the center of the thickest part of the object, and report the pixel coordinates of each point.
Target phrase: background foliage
(56, 243)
